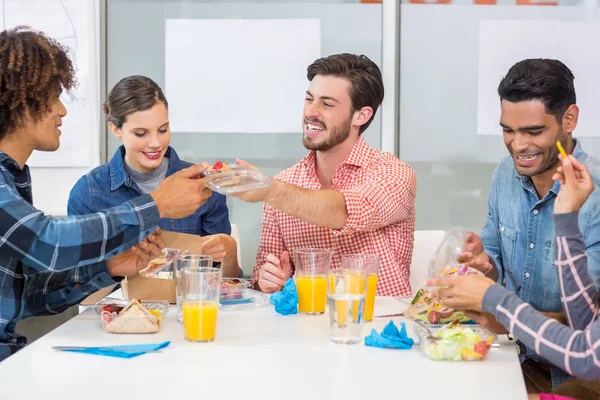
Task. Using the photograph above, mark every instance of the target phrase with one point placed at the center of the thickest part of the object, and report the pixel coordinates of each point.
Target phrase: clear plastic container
(454, 342)
(132, 317)
(235, 179)
(246, 299)
(448, 252)
(162, 267)
(233, 288)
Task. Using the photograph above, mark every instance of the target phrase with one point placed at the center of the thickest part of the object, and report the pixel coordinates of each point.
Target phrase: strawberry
(106, 317)
(112, 308)
(482, 347)
(218, 165)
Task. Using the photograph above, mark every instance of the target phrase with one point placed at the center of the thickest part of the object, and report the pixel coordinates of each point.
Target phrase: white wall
(51, 186)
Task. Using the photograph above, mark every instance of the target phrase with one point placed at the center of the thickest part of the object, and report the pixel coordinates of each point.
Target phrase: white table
(258, 354)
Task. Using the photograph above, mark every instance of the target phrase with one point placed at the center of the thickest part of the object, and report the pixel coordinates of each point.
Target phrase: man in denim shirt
(538, 109)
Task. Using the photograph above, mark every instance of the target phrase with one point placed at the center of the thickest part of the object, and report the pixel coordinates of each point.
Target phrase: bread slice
(135, 318)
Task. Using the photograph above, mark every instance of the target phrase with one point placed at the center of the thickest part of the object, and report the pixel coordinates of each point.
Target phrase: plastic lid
(448, 252)
(236, 179)
(161, 264)
(243, 300)
(230, 284)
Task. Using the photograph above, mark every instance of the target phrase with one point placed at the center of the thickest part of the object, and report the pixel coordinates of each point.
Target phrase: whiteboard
(72, 23)
(238, 75)
(504, 43)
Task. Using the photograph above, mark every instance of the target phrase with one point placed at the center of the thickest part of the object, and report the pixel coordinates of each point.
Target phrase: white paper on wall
(238, 76)
(72, 23)
(504, 43)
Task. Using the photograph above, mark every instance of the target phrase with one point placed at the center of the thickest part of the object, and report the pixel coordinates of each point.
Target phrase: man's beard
(337, 135)
(550, 162)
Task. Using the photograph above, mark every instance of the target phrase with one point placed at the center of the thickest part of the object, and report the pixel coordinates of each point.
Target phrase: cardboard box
(139, 287)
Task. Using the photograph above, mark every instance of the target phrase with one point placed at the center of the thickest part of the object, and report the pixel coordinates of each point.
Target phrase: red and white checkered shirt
(379, 190)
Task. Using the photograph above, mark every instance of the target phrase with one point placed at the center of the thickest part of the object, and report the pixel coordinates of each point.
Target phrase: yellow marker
(560, 148)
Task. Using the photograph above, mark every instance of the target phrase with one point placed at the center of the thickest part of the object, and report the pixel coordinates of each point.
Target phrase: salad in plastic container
(424, 308)
(227, 179)
(455, 342)
(132, 317)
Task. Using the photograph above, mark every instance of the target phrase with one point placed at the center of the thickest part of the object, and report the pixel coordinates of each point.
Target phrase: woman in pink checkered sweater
(574, 348)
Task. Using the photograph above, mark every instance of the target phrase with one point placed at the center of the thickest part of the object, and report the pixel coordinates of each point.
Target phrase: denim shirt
(109, 185)
(519, 235)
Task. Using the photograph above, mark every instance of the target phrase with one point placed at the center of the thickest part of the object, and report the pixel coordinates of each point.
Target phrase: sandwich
(133, 318)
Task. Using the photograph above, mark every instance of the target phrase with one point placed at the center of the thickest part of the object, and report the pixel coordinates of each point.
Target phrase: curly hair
(33, 69)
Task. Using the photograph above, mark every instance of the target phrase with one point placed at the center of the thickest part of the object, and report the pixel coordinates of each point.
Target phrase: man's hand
(273, 274)
(257, 195)
(182, 193)
(460, 292)
(219, 247)
(487, 320)
(575, 185)
(474, 256)
(136, 258)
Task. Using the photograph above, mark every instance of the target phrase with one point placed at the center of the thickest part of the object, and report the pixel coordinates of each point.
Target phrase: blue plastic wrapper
(390, 338)
(286, 301)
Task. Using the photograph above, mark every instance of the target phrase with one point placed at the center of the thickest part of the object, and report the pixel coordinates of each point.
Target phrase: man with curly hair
(48, 264)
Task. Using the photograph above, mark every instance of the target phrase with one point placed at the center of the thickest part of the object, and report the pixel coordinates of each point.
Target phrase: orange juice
(370, 298)
(312, 293)
(200, 320)
(354, 285)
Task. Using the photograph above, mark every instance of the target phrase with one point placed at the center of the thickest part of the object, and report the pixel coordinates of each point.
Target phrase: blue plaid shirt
(39, 255)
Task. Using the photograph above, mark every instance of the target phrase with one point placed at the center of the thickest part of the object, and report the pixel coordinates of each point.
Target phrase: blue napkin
(390, 338)
(286, 301)
(124, 351)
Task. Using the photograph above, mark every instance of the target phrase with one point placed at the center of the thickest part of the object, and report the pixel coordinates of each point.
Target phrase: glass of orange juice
(200, 302)
(312, 265)
(370, 263)
(180, 263)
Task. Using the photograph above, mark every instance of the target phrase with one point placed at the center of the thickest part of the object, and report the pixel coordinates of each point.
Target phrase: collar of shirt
(21, 177)
(120, 177)
(358, 157)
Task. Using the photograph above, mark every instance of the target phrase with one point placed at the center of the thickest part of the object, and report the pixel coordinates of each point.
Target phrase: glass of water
(187, 261)
(346, 292)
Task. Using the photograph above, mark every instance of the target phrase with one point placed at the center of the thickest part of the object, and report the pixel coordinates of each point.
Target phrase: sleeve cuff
(492, 297)
(146, 208)
(496, 260)
(353, 207)
(567, 224)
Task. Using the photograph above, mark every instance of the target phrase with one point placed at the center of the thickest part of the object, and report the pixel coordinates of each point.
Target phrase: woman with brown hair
(138, 114)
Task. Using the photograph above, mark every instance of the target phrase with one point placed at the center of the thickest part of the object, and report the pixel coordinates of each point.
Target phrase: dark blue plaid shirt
(39, 255)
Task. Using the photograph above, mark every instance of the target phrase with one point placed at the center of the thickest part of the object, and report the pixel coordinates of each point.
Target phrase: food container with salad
(454, 342)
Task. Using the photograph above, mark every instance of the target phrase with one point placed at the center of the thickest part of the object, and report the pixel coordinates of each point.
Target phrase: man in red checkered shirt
(344, 195)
